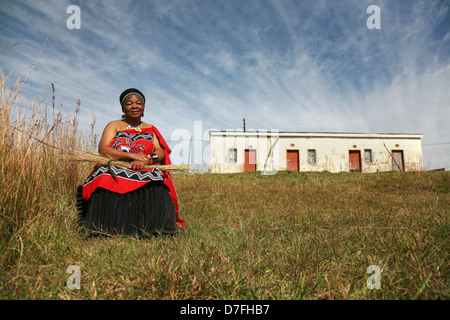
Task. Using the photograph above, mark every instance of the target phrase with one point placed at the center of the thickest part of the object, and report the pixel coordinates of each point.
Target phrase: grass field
(285, 236)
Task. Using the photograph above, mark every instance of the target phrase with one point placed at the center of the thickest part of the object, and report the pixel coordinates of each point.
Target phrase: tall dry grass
(37, 180)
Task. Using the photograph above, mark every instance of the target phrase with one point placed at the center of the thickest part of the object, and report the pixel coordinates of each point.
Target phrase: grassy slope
(286, 236)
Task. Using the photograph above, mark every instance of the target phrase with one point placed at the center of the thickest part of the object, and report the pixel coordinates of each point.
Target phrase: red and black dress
(118, 200)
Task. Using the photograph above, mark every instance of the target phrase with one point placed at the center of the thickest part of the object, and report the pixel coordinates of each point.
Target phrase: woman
(135, 200)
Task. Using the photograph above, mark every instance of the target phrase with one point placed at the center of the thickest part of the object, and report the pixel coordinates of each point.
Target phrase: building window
(368, 155)
(312, 155)
(232, 156)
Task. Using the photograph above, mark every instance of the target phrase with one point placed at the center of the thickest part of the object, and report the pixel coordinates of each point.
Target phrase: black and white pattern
(128, 142)
(124, 173)
(135, 137)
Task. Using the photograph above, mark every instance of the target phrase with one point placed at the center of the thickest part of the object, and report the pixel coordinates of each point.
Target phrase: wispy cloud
(287, 65)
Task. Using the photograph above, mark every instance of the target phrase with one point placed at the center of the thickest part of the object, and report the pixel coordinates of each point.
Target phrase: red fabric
(123, 185)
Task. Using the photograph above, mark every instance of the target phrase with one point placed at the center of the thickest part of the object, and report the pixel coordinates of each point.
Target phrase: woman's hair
(129, 91)
(126, 93)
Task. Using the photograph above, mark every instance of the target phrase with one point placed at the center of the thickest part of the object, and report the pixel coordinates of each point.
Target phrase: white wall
(332, 150)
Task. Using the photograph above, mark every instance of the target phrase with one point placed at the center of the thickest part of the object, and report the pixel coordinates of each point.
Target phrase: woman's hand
(140, 160)
(140, 157)
(137, 165)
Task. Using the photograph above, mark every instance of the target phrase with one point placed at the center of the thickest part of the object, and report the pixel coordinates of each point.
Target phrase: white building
(269, 152)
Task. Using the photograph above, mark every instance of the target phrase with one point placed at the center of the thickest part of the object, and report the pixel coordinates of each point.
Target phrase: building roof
(293, 134)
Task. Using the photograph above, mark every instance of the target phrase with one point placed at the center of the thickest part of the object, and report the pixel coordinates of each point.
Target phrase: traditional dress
(118, 200)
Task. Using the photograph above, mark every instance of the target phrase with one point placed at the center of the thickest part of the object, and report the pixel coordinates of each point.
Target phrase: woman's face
(133, 107)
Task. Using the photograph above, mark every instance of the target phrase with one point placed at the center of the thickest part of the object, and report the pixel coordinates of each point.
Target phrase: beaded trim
(154, 157)
(138, 128)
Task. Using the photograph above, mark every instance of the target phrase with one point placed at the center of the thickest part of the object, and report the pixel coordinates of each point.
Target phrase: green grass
(287, 236)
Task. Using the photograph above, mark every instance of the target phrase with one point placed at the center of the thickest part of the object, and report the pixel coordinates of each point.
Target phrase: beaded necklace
(138, 128)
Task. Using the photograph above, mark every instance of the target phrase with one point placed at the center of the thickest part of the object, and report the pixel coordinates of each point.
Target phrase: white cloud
(287, 65)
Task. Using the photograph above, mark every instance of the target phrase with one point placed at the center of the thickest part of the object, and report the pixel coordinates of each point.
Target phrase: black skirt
(146, 211)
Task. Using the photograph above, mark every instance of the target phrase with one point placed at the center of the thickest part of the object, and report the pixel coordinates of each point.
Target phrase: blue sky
(287, 65)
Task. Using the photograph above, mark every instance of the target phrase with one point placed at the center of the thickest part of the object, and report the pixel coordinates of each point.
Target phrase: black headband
(127, 92)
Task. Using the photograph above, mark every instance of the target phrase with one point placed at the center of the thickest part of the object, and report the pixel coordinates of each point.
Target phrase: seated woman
(136, 200)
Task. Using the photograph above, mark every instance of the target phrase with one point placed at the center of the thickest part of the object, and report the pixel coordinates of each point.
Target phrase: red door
(292, 160)
(250, 160)
(355, 160)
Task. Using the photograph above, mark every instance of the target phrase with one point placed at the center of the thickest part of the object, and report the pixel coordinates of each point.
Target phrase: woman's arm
(158, 150)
